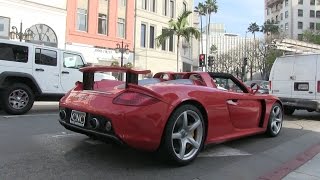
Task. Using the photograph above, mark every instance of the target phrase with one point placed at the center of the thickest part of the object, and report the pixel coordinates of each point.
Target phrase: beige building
(151, 17)
(293, 16)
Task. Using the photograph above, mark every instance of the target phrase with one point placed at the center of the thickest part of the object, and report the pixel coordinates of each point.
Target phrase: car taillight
(134, 99)
(269, 85)
(318, 87)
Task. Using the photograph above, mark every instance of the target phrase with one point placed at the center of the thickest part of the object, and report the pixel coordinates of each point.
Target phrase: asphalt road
(36, 146)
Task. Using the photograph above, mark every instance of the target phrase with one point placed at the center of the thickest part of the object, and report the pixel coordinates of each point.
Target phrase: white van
(295, 79)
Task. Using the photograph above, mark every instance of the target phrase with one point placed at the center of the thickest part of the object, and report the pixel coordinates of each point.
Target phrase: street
(36, 146)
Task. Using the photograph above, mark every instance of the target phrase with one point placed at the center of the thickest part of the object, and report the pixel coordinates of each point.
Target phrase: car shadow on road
(304, 115)
(108, 155)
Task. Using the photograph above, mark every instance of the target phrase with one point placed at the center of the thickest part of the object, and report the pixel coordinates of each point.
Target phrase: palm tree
(211, 7)
(201, 10)
(253, 28)
(179, 28)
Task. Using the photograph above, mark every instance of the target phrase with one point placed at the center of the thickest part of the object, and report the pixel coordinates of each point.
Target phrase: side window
(72, 61)
(46, 57)
(10, 52)
(227, 85)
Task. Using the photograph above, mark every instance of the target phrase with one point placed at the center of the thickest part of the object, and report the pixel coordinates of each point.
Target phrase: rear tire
(288, 110)
(17, 99)
(275, 120)
(184, 136)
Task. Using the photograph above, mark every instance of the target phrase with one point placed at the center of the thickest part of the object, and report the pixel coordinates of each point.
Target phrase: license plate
(78, 118)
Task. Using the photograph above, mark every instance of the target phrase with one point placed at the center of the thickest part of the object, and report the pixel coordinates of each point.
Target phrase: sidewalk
(310, 170)
(306, 165)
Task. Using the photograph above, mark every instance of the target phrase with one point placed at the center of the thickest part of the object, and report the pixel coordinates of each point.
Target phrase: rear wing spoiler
(131, 74)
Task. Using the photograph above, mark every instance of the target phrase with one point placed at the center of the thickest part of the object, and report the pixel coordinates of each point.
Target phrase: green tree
(270, 28)
(211, 7)
(213, 49)
(253, 28)
(179, 28)
(201, 10)
(311, 36)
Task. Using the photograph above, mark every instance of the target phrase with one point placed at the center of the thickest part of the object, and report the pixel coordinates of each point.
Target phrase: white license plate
(78, 118)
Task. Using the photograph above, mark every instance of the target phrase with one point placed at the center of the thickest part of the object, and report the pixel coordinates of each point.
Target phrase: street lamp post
(122, 49)
(20, 35)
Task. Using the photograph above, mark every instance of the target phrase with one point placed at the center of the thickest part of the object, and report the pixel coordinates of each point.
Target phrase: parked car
(175, 117)
(264, 85)
(30, 72)
(295, 79)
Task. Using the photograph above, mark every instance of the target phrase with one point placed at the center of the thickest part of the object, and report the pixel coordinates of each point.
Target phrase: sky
(237, 15)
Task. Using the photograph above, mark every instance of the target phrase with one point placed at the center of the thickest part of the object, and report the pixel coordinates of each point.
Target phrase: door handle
(65, 72)
(232, 102)
(310, 92)
(39, 69)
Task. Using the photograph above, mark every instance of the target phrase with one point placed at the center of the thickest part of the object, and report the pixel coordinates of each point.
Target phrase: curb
(292, 165)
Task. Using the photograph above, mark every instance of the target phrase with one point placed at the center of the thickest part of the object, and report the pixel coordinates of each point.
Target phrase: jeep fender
(7, 74)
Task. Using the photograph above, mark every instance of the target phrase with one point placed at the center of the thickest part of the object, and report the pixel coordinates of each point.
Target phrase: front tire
(275, 120)
(17, 99)
(184, 135)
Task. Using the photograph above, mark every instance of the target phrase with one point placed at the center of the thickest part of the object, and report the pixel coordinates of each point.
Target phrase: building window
(143, 35)
(153, 5)
(300, 13)
(82, 15)
(121, 28)
(103, 17)
(300, 25)
(318, 14)
(171, 43)
(312, 13)
(171, 8)
(151, 38)
(300, 2)
(286, 2)
(144, 4)
(281, 16)
(312, 2)
(184, 6)
(300, 37)
(312, 26)
(318, 26)
(165, 9)
(163, 45)
(286, 26)
(123, 2)
(286, 14)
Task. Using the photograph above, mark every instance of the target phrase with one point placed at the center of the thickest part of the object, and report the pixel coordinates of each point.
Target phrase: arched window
(43, 34)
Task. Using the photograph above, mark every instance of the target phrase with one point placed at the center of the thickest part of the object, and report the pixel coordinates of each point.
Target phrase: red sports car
(175, 116)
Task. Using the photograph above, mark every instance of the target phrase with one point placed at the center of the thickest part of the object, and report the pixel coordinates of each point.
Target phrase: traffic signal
(245, 61)
(210, 60)
(202, 58)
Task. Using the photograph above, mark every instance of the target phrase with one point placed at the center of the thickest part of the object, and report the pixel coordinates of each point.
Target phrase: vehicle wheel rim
(187, 135)
(18, 99)
(276, 122)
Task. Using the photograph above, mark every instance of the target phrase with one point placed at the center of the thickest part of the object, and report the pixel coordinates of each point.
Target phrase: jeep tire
(17, 99)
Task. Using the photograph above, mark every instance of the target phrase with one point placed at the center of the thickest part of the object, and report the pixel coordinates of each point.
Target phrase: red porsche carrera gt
(175, 114)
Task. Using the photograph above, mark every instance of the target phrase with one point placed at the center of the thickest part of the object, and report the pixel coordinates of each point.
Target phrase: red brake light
(270, 85)
(134, 99)
(318, 87)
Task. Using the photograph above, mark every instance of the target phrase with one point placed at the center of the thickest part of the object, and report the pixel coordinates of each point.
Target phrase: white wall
(36, 13)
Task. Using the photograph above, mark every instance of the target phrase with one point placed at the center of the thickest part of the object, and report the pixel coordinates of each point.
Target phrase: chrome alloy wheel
(18, 99)
(187, 135)
(276, 119)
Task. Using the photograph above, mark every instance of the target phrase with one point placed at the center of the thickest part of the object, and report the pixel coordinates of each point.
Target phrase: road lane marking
(64, 134)
(222, 151)
(30, 115)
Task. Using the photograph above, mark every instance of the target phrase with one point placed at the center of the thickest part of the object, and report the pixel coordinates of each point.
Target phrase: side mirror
(254, 88)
